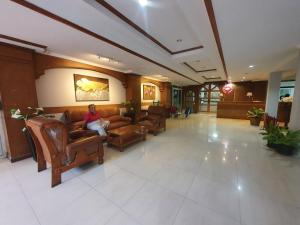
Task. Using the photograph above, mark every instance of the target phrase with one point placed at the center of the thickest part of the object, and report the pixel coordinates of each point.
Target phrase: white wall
(56, 88)
(157, 93)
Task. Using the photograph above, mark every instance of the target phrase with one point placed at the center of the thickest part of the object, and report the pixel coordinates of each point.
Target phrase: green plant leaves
(255, 112)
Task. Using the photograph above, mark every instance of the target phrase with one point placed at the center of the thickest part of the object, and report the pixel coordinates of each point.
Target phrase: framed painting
(89, 88)
(148, 92)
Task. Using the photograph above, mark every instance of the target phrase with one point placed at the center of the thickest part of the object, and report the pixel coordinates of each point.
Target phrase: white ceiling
(164, 20)
(262, 33)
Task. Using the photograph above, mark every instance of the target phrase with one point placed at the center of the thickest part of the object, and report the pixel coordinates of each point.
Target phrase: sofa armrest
(84, 141)
(79, 133)
(125, 118)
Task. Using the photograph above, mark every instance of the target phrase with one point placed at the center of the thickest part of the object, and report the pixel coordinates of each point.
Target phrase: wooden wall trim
(117, 13)
(44, 62)
(95, 35)
(198, 71)
(213, 22)
(2, 36)
(17, 87)
(61, 109)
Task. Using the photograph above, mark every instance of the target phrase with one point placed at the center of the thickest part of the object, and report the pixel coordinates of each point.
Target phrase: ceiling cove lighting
(143, 2)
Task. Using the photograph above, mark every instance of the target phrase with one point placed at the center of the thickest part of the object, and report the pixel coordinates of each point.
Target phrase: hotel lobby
(148, 112)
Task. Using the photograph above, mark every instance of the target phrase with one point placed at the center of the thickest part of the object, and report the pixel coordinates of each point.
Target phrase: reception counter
(236, 110)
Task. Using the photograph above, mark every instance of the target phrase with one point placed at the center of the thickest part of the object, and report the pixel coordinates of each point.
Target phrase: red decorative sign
(227, 88)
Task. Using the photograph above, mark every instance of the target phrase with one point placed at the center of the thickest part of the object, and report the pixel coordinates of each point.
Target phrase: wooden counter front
(236, 110)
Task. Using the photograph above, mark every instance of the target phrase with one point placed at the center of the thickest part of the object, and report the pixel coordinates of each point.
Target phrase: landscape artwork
(89, 88)
(148, 92)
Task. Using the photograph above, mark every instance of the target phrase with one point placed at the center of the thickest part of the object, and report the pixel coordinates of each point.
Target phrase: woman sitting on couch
(93, 121)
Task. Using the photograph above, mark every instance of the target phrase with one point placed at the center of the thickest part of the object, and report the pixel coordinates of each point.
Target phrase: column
(295, 111)
(273, 93)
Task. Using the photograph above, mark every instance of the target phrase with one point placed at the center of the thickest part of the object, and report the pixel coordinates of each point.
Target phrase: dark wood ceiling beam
(14, 39)
(95, 35)
(213, 22)
(117, 13)
(198, 71)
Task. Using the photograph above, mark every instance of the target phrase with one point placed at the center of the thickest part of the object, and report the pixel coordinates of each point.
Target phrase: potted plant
(255, 115)
(285, 142)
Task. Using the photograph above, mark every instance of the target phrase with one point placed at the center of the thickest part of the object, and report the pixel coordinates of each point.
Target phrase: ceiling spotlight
(143, 2)
(244, 78)
(179, 40)
(251, 66)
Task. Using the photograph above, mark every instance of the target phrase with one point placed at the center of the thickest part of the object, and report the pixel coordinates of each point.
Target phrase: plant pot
(271, 145)
(283, 149)
(255, 121)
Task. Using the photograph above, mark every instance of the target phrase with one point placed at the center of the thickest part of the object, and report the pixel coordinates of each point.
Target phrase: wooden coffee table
(124, 136)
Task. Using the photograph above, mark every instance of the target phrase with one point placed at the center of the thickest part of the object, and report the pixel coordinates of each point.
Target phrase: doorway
(209, 96)
(190, 100)
(177, 98)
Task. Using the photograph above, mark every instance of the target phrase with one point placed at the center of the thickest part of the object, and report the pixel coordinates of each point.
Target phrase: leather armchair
(54, 146)
(155, 120)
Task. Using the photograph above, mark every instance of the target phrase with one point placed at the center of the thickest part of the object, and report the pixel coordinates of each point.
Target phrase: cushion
(115, 125)
(77, 125)
(154, 117)
(77, 115)
(114, 118)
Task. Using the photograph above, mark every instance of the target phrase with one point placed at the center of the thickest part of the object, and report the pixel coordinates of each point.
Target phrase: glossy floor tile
(201, 171)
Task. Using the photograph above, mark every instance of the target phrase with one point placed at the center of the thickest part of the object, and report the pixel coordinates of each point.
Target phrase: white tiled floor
(201, 171)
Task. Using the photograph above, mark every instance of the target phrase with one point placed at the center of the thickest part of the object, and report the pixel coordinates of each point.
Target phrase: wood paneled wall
(44, 62)
(133, 90)
(240, 89)
(17, 89)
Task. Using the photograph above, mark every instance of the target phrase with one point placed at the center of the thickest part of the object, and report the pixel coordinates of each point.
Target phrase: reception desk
(236, 110)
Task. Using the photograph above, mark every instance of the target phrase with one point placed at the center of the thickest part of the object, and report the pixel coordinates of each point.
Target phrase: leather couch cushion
(154, 117)
(118, 124)
(77, 116)
(114, 118)
(105, 113)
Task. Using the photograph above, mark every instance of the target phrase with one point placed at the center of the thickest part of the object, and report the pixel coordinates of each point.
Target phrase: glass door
(214, 98)
(177, 98)
(203, 99)
(209, 97)
(190, 99)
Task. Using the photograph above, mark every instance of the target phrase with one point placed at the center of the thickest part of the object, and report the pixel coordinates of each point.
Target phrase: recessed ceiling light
(143, 2)
(251, 66)
(179, 40)
(244, 78)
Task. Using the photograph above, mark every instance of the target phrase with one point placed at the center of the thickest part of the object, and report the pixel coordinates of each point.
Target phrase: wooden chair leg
(100, 160)
(100, 154)
(42, 165)
(56, 177)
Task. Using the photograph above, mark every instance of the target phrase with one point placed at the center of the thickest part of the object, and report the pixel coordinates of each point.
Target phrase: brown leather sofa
(54, 146)
(74, 121)
(155, 120)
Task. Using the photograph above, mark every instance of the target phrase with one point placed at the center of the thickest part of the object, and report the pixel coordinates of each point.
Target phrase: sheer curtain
(3, 137)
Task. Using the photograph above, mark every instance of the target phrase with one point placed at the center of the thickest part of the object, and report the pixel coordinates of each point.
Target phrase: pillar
(295, 111)
(273, 94)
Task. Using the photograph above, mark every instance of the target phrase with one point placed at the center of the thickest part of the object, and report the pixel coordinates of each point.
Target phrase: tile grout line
(109, 200)
(27, 200)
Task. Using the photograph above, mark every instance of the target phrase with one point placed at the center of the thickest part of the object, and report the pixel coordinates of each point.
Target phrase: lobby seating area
(149, 112)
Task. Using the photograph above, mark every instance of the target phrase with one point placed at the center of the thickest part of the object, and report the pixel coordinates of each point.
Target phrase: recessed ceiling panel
(163, 20)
